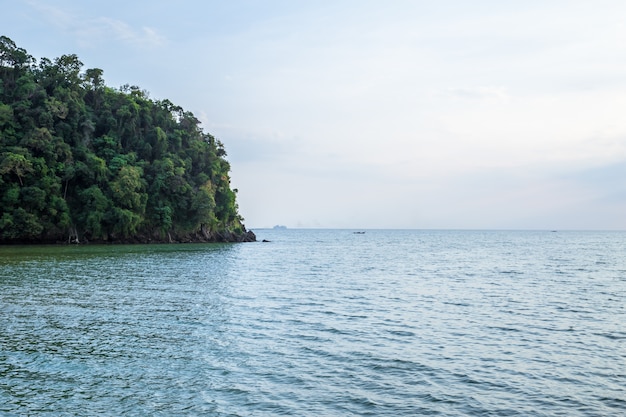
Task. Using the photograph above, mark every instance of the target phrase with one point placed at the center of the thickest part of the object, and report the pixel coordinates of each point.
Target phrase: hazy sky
(379, 114)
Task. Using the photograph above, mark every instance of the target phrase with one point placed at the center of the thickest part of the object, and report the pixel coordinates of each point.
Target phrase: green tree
(81, 159)
(17, 164)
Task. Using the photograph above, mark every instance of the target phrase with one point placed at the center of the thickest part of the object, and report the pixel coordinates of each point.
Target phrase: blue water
(319, 323)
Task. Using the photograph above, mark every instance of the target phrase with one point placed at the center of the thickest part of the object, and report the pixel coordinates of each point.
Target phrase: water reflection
(111, 329)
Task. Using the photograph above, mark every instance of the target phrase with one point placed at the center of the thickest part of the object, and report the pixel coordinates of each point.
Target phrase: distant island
(279, 227)
(83, 162)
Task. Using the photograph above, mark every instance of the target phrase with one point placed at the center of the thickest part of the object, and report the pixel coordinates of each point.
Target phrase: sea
(318, 323)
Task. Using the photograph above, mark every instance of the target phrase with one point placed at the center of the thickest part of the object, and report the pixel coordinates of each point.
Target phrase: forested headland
(83, 162)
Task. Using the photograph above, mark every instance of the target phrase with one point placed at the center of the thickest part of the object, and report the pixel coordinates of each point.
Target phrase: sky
(418, 114)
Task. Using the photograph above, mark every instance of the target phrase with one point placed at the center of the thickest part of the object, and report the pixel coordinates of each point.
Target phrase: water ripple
(318, 323)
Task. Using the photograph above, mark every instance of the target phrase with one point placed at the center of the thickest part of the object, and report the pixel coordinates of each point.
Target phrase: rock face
(245, 236)
(250, 236)
(198, 237)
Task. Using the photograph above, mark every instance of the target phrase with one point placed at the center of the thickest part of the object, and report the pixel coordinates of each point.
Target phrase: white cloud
(143, 36)
(481, 92)
(92, 31)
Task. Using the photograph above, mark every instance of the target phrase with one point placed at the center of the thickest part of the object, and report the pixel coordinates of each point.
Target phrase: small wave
(456, 304)
(504, 328)
(617, 403)
(401, 333)
(612, 336)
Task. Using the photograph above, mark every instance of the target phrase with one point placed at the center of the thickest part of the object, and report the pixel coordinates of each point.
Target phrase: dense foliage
(82, 161)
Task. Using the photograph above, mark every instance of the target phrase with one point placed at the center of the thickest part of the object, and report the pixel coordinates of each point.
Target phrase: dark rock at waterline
(202, 236)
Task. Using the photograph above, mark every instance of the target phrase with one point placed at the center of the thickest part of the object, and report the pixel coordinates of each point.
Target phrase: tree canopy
(81, 161)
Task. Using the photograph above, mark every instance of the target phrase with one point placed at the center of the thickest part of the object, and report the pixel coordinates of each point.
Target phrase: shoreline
(199, 237)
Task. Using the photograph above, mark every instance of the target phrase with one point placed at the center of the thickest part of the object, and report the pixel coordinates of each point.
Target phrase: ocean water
(319, 323)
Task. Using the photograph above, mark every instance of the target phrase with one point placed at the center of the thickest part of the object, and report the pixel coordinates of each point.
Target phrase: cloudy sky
(379, 114)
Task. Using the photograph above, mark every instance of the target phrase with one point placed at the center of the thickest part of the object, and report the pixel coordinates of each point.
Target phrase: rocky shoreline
(198, 237)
